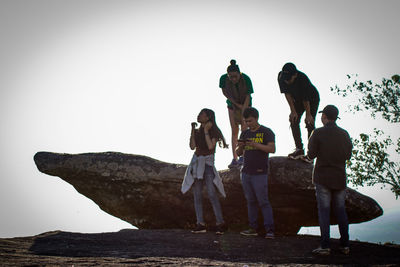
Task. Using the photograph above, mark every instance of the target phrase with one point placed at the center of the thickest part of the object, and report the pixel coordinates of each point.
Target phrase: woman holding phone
(201, 169)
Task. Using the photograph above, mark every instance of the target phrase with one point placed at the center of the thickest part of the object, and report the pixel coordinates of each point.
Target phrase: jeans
(324, 197)
(295, 126)
(255, 189)
(212, 194)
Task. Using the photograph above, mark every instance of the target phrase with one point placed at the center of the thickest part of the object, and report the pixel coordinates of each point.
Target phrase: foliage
(376, 98)
(370, 163)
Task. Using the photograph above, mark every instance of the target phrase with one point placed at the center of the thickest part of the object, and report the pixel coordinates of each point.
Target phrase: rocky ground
(182, 248)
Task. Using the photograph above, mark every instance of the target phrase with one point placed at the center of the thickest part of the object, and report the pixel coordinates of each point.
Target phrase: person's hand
(293, 116)
(194, 124)
(207, 126)
(239, 106)
(241, 142)
(250, 142)
(309, 120)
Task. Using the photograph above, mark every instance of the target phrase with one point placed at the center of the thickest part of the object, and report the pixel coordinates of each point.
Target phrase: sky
(130, 76)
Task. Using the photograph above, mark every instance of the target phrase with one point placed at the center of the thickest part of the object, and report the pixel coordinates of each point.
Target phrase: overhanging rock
(146, 192)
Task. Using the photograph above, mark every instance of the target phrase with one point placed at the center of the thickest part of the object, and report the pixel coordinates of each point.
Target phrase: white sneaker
(322, 251)
(345, 250)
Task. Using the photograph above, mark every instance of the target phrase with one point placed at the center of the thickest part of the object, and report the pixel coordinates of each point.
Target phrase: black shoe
(297, 154)
(199, 229)
(220, 229)
(306, 159)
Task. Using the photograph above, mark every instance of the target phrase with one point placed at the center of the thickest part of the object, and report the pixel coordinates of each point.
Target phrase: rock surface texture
(177, 247)
(146, 192)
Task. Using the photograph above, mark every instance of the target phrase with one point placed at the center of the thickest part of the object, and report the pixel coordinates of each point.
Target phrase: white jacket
(196, 169)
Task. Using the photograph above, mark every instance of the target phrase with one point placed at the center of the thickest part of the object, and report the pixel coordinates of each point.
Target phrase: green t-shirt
(248, 85)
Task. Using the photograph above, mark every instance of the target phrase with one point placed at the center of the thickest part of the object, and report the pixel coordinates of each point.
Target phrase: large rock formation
(146, 192)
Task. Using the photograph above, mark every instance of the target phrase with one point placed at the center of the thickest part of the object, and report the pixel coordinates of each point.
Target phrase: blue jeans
(255, 189)
(324, 197)
(212, 195)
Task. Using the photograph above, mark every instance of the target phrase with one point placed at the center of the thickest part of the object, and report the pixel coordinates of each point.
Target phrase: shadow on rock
(230, 247)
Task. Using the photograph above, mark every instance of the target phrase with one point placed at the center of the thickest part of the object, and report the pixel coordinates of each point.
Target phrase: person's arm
(312, 146)
(246, 102)
(211, 142)
(290, 101)
(192, 142)
(349, 146)
(250, 90)
(224, 91)
(306, 90)
(293, 114)
(230, 98)
(309, 118)
(267, 148)
(244, 105)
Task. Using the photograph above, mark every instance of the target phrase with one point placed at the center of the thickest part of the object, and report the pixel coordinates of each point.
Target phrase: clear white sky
(130, 76)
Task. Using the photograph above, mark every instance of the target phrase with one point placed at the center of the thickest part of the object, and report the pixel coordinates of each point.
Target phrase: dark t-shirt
(201, 144)
(301, 89)
(256, 161)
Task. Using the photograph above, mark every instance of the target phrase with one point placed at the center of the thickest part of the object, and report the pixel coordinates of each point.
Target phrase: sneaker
(240, 161)
(345, 250)
(199, 229)
(269, 235)
(307, 159)
(249, 232)
(298, 153)
(220, 229)
(322, 251)
(233, 164)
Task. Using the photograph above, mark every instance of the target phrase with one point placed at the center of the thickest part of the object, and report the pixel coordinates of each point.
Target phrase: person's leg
(235, 132)
(339, 206)
(323, 195)
(243, 125)
(198, 200)
(295, 126)
(260, 186)
(313, 109)
(252, 208)
(212, 194)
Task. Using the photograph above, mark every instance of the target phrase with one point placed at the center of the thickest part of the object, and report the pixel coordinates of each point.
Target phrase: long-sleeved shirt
(332, 146)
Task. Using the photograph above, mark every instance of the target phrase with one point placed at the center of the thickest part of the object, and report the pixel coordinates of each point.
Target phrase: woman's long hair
(220, 137)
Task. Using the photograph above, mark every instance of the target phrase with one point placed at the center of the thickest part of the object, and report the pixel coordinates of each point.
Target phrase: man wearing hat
(301, 96)
(332, 146)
